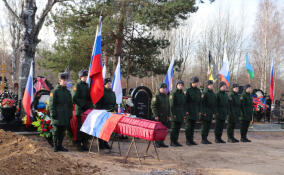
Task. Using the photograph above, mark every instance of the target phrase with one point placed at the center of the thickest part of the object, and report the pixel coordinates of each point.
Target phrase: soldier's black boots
(55, 146)
(205, 140)
(79, 146)
(244, 139)
(162, 144)
(231, 140)
(191, 142)
(106, 145)
(85, 145)
(175, 144)
(219, 140)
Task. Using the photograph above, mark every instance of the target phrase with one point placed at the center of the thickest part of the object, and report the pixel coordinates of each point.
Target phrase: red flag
(272, 82)
(96, 70)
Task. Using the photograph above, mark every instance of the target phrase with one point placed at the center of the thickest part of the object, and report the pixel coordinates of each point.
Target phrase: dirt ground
(264, 156)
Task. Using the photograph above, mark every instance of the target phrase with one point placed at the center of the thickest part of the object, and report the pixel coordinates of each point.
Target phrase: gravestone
(141, 97)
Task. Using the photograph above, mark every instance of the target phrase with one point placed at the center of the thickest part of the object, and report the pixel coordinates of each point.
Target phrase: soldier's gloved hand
(156, 118)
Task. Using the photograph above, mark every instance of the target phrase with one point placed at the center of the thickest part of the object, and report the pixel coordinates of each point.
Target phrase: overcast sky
(206, 12)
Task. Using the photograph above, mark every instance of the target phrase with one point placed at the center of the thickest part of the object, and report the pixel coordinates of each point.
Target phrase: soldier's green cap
(163, 85)
(83, 73)
(222, 83)
(63, 76)
(235, 85)
(194, 79)
(247, 86)
(107, 80)
(209, 82)
(180, 82)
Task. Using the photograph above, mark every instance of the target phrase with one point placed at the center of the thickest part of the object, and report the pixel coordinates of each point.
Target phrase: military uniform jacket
(161, 106)
(208, 104)
(177, 104)
(60, 106)
(81, 97)
(193, 102)
(235, 106)
(246, 106)
(222, 105)
(108, 101)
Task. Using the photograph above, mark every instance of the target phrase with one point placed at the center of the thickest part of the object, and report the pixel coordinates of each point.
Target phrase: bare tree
(31, 26)
(268, 42)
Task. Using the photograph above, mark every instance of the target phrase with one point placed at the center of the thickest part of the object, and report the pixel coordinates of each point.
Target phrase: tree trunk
(30, 42)
(119, 35)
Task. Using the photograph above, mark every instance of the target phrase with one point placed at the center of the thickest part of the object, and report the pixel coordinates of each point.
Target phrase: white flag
(116, 83)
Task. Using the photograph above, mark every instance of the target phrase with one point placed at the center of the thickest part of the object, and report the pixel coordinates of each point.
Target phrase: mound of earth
(22, 156)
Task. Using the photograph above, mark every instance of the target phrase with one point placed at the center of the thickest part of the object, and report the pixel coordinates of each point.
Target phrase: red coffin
(143, 129)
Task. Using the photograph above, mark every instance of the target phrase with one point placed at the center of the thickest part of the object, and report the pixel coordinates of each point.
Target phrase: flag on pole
(116, 83)
(224, 72)
(249, 68)
(95, 75)
(212, 70)
(169, 76)
(104, 68)
(28, 96)
(69, 83)
(272, 81)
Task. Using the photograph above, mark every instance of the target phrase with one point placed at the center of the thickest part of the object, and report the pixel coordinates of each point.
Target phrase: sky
(206, 11)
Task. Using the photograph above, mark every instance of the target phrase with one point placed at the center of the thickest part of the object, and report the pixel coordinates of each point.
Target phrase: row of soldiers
(193, 104)
(61, 107)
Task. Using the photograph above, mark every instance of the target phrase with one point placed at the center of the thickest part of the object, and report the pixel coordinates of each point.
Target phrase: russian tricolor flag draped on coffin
(95, 77)
(28, 97)
(100, 124)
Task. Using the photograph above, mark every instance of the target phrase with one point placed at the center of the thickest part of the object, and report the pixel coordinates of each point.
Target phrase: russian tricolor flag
(95, 77)
(272, 81)
(224, 72)
(169, 76)
(100, 124)
(28, 96)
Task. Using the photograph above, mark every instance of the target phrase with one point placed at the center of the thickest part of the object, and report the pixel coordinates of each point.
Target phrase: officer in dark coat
(177, 104)
(193, 109)
(222, 112)
(82, 101)
(107, 102)
(235, 112)
(247, 112)
(161, 109)
(60, 107)
(208, 110)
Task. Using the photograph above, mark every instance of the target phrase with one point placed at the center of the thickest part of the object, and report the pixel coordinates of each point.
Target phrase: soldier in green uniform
(208, 110)
(234, 114)
(82, 101)
(107, 102)
(247, 112)
(60, 107)
(193, 109)
(177, 104)
(161, 109)
(222, 107)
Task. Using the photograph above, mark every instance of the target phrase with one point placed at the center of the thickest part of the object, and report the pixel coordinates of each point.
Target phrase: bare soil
(32, 155)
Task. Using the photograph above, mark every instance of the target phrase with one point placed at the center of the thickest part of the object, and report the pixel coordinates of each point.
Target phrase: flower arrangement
(43, 124)
(7, 103)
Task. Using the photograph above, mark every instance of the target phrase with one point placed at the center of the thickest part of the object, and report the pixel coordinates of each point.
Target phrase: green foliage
(130, 21)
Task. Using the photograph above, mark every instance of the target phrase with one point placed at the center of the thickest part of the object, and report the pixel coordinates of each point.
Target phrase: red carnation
(44, 130)
(48, 122)
(41, 120)
(42, 126)
(49, 127)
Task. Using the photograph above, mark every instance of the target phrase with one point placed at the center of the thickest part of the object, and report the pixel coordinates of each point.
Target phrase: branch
(12, 11)
(45, 12)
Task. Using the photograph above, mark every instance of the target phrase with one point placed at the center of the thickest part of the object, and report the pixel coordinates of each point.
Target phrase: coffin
(141, 128)
(138, 128)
